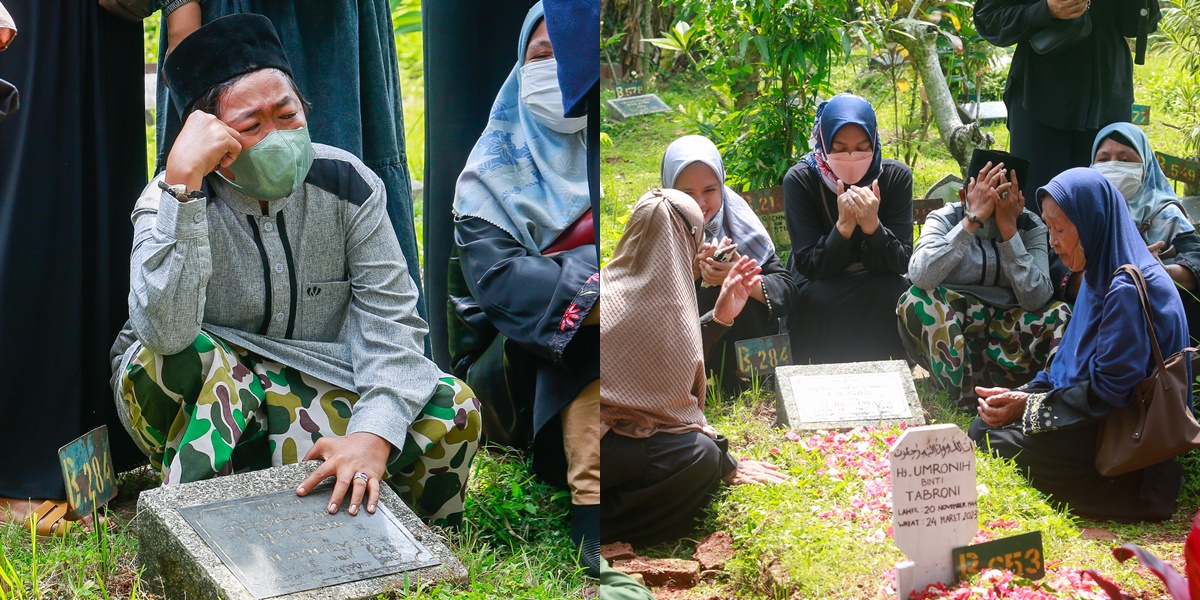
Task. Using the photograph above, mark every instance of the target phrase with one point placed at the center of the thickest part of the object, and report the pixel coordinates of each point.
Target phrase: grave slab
(249, 536)
(989, 112)
(933, 502)
(847, 395)
(634, 106)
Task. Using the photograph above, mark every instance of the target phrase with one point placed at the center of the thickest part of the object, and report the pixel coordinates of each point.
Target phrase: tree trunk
(920, 39)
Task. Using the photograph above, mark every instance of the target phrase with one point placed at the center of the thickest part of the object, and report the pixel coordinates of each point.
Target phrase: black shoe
(585, 533)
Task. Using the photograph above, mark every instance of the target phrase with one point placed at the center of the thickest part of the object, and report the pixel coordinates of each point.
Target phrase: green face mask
(274, 167)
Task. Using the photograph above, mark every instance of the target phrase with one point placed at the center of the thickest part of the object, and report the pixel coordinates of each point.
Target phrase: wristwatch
(974, 219)
(180, 191)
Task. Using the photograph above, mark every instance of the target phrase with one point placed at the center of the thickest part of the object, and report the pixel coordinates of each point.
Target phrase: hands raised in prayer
(1000, 406)
(745, 276)
(858, 207)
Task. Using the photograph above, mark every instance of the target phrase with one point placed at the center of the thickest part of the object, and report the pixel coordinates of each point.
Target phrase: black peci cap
(1011, 162)
(219, 51)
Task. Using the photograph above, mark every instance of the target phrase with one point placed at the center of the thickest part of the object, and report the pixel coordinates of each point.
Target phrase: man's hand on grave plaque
(346, 457)
(1000, 406)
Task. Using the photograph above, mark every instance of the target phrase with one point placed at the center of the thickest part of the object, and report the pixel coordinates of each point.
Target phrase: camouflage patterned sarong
(964, 342)
(215, 409)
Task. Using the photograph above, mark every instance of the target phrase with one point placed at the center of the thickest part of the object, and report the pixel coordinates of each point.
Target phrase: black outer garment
(1057, 103)
(1062, 463)
(1086, 86)
(656, 489)
(72, 160)
(524, 296)
(839, 317)
(1187, 248)
(756, 319)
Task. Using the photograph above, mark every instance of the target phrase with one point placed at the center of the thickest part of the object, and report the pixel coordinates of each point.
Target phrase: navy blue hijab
(832, 115)
(1106, 341)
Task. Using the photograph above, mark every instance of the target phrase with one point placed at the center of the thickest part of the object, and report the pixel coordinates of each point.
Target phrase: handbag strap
(1139, 281)
(1150, 219)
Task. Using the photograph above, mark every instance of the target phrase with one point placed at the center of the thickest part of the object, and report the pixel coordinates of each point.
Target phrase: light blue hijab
(522, 176)
(1154, 192)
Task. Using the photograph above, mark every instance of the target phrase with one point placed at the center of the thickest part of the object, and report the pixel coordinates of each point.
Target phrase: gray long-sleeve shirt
(318, 284)
(1012, 273)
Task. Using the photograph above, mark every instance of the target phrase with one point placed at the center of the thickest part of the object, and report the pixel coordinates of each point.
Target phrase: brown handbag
(130, 10)
(1158, 424)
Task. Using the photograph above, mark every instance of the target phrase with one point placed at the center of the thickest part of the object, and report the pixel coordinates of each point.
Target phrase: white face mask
(543, 98)
(1125, 176)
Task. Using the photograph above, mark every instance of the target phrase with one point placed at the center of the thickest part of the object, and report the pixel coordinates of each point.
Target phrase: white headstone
(933, 503)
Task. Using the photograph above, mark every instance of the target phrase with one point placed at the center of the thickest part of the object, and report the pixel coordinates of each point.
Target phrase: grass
(811, 538)
(514, 544)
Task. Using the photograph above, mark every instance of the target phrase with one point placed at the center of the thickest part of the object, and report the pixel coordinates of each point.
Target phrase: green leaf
(408, 22)
(760, 42)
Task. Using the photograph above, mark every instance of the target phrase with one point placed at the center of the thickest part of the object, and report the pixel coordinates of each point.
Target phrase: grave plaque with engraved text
(280, 543)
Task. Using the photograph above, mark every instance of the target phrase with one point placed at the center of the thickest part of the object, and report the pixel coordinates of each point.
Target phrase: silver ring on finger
(362, 475)
(1004, 195)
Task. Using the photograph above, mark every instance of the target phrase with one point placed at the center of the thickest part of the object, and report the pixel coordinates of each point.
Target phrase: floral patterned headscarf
(522, 176)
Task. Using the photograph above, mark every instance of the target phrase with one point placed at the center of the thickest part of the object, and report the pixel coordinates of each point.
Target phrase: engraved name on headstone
(279, 543)
(248, 536)
(633, 106)
(846, 395)
(933, 502)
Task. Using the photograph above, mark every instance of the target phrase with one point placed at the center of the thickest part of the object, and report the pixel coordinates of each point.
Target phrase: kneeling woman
(693, 166)
(978, 310)
(662, 461)
(1049, 427)
(849, 214)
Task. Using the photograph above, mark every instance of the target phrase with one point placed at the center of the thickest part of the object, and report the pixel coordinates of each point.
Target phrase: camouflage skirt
(965, 342)
(215, 409)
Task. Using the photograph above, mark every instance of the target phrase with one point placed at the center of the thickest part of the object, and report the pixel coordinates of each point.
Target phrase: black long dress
(72, 162)
(1058, 102)
(847, 289)
(1062, 463)
(526, 349)
(756, 319)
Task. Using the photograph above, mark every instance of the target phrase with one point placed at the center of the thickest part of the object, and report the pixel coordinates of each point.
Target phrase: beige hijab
(651, 361)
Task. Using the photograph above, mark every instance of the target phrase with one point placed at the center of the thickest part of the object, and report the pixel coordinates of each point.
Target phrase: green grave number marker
(1187, 171)
(633, 88)
(88, 472)
(1021, 554)
(762, 355)
(1141, 114)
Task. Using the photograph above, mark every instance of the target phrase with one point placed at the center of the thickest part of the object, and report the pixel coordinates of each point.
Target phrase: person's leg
(268, 414)
(1062, 464)
(932, 325)
(187, 411)
(657, 489)
(1049, 151)
(1019, 343)
(581, 443)
(430, 473)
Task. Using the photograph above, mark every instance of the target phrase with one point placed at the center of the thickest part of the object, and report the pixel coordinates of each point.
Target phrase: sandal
(51, 519)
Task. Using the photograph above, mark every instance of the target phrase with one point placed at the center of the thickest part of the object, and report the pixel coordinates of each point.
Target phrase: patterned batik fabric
(964, 342)
(215, 409)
